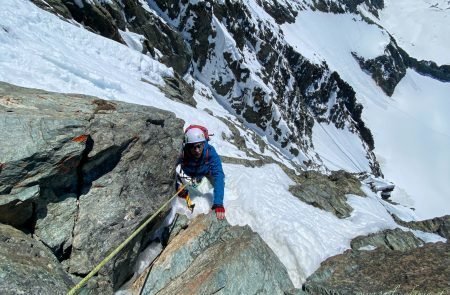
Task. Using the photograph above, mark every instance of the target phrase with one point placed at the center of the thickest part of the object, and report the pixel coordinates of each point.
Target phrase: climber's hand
(220, 211)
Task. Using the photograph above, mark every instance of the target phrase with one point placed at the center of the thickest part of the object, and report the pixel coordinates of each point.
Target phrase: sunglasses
(196, 146)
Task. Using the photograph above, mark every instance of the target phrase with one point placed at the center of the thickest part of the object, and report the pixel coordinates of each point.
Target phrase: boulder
(28, 267)
(327, 192)
(393, 239)
(379, 185)
(421, 270)
(210, 256)
(80, 174)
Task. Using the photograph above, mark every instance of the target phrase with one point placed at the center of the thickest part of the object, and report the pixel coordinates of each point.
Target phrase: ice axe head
(189, 204)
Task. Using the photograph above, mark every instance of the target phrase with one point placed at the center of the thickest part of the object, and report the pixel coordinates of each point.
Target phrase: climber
(201, 163)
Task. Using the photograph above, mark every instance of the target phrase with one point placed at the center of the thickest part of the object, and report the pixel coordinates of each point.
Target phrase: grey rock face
(424, 270)
(17, 208)
(176, 89)
(396, 239)
(327, 192)
(28, 267)
(211, 257)
(55, 222)
(81, 174)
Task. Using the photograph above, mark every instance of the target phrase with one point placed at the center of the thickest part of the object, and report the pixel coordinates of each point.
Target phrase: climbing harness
(77, 287)
(192, 182)
(187, 180)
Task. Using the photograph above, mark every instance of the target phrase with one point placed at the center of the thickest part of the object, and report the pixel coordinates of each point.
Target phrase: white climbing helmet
(194, 135)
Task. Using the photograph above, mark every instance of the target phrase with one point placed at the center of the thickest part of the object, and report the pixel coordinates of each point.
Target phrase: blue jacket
(209, 165)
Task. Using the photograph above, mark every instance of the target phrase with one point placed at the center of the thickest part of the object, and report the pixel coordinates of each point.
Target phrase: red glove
(220, 211)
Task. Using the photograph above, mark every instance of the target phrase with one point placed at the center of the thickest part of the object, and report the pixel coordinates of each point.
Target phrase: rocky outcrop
(438, 225)
(393, 239)
(327, 192)
(80, 173)
(28, 267)
(208, 256)
(378, 185)
(286, 11)
(389, 261)
(281, 12)
(387, 70)
(176, 89)
(427, 68)
(383, 271)
(339, 6)
(317, 84)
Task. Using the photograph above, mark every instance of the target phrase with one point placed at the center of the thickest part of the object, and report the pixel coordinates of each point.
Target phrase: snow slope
(337, 147)
(39, 50)
(301, 235)
(421, 27)
(410, 129)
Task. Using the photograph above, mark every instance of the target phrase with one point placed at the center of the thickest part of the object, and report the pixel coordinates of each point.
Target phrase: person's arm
(218, 178)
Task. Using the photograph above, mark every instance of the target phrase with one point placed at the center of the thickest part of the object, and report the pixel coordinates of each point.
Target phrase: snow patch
(133, 40)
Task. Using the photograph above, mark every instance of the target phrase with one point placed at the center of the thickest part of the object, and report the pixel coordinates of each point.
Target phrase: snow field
(410, 129)
(421, 27)
(343, 146)
(302, 236)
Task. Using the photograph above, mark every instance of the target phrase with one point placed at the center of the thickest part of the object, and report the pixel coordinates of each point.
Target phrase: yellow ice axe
(189, 204)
